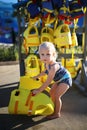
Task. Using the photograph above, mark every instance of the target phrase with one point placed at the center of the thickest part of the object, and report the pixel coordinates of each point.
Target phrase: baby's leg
(57, 92)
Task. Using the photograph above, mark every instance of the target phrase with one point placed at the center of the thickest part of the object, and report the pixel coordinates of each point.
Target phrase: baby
(55, 71)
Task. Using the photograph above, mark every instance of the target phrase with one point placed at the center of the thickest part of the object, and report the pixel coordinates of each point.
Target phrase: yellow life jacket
(32, 66)
(31, 36)
(46, 34)
(62, 36)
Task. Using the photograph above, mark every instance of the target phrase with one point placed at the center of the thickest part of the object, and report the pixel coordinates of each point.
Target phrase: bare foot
(53, 116)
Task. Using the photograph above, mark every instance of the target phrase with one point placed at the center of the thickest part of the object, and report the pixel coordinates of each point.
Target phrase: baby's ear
(54, 54)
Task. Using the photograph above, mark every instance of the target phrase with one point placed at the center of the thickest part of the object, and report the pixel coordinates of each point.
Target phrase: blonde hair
(49, 46)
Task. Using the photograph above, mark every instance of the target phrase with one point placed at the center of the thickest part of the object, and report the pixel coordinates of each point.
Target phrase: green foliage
(8, 54)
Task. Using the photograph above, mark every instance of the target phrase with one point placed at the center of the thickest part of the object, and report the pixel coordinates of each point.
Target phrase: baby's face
(46, 55)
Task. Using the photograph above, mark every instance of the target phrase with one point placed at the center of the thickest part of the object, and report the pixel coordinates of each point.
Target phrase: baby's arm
(46, 83)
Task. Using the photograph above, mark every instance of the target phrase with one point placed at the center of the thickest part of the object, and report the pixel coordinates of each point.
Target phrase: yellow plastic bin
(22, 102)
(29, 83)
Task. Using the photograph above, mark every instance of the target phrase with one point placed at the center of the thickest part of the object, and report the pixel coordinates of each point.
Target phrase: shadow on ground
(18, 122)
(5, 92)
(74, 109)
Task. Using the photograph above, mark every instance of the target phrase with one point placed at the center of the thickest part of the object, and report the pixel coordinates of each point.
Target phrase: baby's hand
(35, 92)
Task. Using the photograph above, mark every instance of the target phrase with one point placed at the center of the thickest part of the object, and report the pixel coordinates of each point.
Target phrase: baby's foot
(53, 116)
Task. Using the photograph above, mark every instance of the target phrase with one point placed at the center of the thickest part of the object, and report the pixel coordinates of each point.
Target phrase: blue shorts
(67, 81)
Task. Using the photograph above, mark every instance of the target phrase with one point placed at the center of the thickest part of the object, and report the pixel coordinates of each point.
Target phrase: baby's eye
(42, 54)
(48, 54)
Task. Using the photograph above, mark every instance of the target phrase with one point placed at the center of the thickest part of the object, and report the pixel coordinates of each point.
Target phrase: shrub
(8, 53)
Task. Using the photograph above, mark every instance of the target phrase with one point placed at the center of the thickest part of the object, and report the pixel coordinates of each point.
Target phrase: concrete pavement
(74, 109)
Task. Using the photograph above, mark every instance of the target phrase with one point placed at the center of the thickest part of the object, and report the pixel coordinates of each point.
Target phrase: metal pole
(82, 84)
(21, 61)
(85, 38)
(83, 78)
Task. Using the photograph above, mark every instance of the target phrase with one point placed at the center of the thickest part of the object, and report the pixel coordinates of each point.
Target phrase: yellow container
(32, 67)
(31, 36)
(70, 65)
(22, 102)
(46, 34)
(62, 36)
(29, 83)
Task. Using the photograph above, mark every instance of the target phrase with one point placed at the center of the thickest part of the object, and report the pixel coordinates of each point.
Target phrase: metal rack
(82, 83)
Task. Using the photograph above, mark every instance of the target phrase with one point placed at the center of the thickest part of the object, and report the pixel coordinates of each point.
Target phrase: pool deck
(73, 114)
